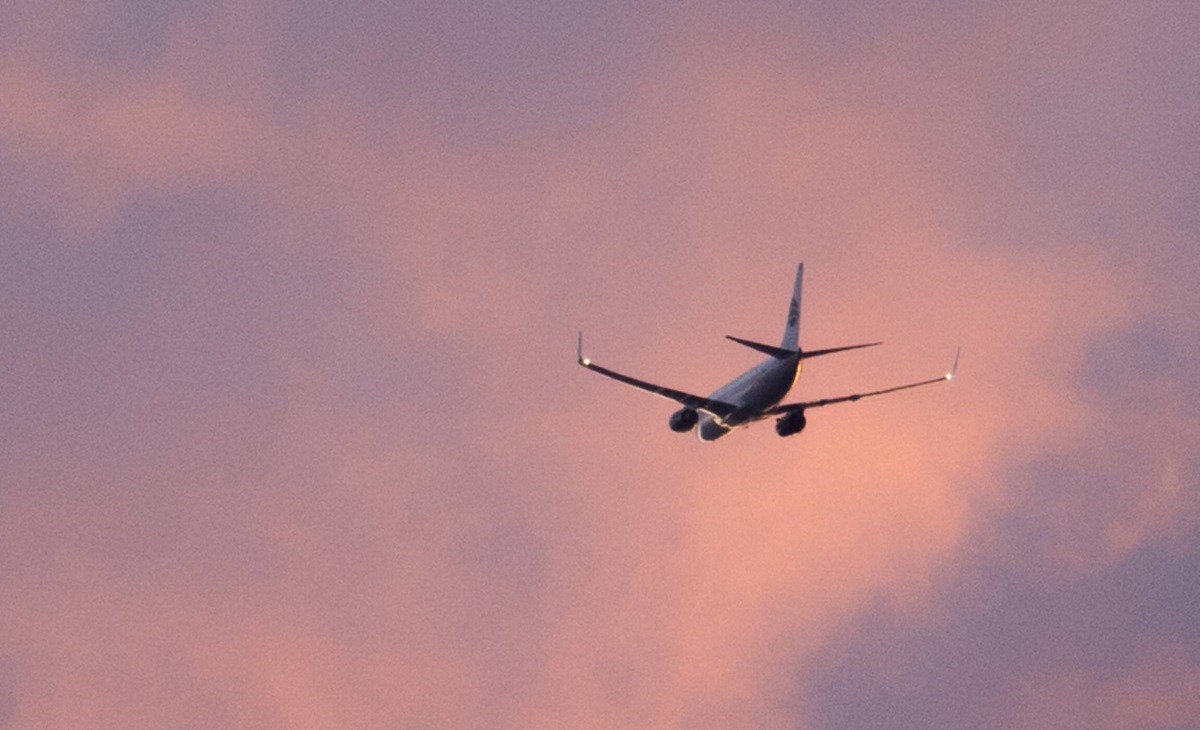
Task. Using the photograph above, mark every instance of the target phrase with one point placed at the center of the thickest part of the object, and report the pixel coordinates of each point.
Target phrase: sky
(293, 435)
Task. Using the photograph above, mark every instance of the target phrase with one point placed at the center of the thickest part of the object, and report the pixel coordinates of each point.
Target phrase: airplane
(755, 394)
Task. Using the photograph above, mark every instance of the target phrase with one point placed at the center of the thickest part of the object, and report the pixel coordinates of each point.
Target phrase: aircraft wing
(792, 407)
(720, 409)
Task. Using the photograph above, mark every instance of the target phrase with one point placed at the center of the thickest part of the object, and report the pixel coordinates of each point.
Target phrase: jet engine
(684, 420)
(791, 424)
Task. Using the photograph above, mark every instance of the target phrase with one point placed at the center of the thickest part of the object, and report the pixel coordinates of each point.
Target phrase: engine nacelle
(684, 420)
(791, 424)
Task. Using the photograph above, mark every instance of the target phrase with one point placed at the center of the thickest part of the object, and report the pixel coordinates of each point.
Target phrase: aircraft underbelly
(753, 395)
(710, 430)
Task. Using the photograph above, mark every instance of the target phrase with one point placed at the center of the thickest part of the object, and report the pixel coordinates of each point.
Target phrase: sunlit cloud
(297, 438)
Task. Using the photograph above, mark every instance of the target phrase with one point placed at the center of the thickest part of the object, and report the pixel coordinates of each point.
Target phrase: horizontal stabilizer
(805, 354)
(776, 352)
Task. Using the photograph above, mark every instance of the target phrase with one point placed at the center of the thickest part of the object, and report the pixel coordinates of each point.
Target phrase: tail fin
(791, 334)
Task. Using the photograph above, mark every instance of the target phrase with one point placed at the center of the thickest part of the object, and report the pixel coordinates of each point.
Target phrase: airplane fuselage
(754, 391)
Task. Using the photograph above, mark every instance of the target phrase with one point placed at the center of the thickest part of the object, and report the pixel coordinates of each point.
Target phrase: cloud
(296, 437)
(1160, 692)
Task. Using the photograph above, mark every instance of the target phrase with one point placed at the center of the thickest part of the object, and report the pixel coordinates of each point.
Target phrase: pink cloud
(399, 502)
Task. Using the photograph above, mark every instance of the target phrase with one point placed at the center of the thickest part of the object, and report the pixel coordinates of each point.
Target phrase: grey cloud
(1037, 588)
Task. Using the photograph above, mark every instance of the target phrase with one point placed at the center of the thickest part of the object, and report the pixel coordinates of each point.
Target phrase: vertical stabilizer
(791, 334)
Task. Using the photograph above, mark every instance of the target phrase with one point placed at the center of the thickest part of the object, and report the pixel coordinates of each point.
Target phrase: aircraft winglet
(579, 352)
(954, 367)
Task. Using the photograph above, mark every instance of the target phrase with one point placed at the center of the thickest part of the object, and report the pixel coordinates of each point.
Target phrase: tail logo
(793, 314)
